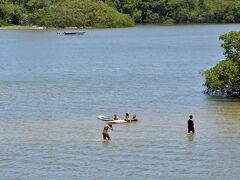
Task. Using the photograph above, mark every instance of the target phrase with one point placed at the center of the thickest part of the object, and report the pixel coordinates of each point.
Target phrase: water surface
(52, 87)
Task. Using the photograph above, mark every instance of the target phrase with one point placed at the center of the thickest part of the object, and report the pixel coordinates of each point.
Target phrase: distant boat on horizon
(75, 33)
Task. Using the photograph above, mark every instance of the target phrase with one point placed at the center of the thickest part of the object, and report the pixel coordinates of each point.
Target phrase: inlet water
(53, 86)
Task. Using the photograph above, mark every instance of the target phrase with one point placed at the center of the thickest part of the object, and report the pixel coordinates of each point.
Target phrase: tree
(231, 46)
(108, 13)
(224, 78)
(78, 13)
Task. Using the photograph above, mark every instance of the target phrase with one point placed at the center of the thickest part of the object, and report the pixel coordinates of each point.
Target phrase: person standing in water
(191, 125)
(105, 131)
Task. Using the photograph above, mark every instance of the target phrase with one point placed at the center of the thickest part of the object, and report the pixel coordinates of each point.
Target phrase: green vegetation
(179, 11)
(224, 78)
(62, 13)
(116, 13)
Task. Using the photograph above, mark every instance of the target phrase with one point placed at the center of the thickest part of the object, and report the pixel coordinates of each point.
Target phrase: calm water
(52, 87)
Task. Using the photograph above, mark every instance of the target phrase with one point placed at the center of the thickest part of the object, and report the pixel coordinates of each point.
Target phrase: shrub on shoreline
(63, 13)
(224, 78)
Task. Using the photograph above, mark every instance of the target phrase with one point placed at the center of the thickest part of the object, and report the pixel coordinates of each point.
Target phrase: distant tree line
(116, 13)
(62, 13)
(179, 11)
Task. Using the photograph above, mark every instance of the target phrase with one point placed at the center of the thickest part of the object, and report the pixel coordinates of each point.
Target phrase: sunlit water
(53, 86)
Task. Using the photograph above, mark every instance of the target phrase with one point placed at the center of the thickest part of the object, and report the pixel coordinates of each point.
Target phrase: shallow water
(52, 87)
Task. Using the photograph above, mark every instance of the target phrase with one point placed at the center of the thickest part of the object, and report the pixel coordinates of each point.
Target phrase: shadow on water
(222, 99)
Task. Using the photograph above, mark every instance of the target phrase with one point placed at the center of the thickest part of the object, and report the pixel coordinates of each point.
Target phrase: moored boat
(74, 33)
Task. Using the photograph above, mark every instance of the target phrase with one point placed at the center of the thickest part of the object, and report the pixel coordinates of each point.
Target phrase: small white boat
(109, 120)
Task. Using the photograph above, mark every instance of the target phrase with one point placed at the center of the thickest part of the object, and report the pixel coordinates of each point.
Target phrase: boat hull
(74, 33)
(110, 121)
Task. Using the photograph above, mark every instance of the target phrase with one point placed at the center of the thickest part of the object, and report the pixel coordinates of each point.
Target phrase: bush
(225, 76)
(4, 23)
(81, 14)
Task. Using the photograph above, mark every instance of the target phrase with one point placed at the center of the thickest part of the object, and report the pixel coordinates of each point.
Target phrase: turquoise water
(52, 87)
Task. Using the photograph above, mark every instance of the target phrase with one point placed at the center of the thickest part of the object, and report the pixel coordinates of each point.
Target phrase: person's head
(115, 115)
(190, 116)
(110, 126)
(127, 114)
(134, 116)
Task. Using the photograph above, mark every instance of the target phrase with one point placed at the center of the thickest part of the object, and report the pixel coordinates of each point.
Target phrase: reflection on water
(105, 142)
(190, 136)
(228, 108)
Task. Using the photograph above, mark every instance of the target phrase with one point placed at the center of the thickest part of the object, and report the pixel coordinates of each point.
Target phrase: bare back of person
(105, 132)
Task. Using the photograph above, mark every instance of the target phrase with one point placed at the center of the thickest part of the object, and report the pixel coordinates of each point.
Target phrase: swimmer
(134, 118)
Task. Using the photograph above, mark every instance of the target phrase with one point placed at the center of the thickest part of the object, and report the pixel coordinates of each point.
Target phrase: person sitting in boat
(115, 117)
(134, 118)
(127, 117)
(105, 131)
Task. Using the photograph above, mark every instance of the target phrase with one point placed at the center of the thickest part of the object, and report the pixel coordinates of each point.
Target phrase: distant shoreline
(20, 27)
(33, 27)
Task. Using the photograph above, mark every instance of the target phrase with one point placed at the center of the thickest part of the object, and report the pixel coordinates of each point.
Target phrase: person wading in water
(105, 131)
(191, 125)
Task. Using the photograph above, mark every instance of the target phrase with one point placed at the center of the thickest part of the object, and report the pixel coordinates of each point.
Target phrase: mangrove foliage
(179, 11)
(116, 13)
(62, 13)
(224, 78)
